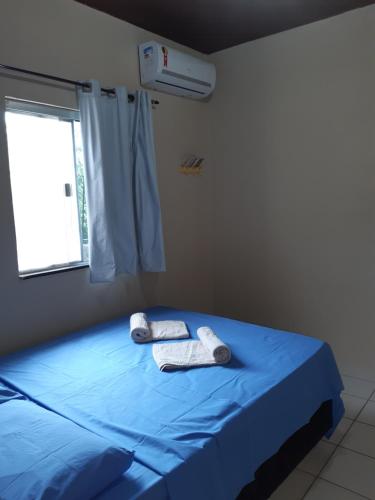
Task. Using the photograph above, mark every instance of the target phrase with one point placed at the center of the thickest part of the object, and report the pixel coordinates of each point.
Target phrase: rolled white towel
(139, 329)
(220, 351)
(142, 330)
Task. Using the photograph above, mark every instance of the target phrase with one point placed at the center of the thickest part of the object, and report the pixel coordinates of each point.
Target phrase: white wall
(65, 38)
(283, 234)
(294, 151)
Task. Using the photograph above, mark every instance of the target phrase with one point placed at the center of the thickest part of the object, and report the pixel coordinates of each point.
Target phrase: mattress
(198, 433)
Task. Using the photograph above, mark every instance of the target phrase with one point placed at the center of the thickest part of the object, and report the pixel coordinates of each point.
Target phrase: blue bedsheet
(199, 433)
(44, 456)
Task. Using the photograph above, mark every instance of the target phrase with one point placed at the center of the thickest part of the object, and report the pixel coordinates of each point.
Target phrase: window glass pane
(81, 189)
(43, 178)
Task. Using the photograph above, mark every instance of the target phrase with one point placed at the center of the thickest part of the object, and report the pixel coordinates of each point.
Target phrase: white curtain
(124, 220)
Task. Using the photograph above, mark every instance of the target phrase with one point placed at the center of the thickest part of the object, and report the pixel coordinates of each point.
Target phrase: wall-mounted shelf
(192, 165)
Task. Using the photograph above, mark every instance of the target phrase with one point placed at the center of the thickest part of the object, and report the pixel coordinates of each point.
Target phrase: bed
(204, 433)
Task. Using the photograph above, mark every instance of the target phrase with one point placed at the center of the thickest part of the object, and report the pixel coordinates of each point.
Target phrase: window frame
(53, 270)
(42, 110)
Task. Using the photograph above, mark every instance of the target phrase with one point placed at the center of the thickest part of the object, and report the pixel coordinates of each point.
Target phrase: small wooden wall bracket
(190, 170)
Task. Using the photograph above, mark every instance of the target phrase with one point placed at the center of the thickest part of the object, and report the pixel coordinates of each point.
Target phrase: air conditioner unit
(175, 72)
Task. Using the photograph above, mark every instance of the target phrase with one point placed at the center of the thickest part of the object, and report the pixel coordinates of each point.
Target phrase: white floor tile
(353, 405)
(317, 458)
(352, 471)
(361, 438)
(358, 387)
(321, 490)
(367, 415)
(340, 431)
(294, 487)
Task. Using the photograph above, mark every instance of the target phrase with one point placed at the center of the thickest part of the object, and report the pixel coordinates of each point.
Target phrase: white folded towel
(143, 331)
(209, 350)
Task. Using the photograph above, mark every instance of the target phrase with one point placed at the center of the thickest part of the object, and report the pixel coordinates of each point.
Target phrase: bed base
(276, 469)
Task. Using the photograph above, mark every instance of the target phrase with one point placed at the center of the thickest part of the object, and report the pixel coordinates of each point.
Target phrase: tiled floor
(343, 467)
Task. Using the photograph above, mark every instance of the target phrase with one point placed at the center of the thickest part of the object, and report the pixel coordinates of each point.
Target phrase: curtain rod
(65, 80)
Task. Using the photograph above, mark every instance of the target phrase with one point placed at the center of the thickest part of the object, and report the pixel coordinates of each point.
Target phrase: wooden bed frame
(276, 469)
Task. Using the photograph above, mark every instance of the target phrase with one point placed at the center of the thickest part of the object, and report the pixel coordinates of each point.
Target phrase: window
(48, 190)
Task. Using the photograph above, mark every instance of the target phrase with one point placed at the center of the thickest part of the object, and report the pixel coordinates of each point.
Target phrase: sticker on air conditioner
(147, 52)
(165, 54)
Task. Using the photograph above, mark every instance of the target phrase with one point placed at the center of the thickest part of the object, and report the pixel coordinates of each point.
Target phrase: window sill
(55, 270)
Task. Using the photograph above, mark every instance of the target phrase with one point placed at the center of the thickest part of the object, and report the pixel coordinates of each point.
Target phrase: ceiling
(212, 25)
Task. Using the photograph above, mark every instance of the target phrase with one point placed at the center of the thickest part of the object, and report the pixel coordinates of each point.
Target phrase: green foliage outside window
(81, 195)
